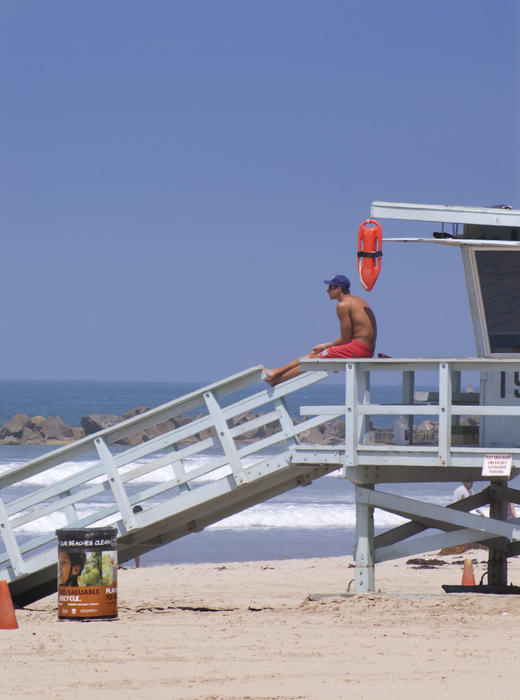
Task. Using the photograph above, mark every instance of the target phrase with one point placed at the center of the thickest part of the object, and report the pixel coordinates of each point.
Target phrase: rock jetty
(51, 430)
(40, 430)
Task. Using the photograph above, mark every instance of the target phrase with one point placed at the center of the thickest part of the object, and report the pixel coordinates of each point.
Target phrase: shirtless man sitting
(358, 332)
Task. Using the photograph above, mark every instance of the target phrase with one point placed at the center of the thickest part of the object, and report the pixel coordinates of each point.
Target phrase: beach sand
(249, 630)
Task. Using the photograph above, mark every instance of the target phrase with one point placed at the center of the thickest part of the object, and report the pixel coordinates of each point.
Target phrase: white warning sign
(496, 465)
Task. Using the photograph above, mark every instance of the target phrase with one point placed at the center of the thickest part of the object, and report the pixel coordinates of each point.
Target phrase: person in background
(465, 490)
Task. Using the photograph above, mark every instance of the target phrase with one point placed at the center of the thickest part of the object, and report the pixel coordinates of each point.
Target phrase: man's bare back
(358, 332)
(356, 321)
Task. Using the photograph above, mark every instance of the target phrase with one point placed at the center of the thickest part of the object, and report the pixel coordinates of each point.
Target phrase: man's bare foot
(269, 376)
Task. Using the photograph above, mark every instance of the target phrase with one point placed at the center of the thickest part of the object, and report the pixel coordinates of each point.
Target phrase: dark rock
(147, 433)
(337, 429)
(14, 428)
(154, 430)
(258, 434)
(134, 412)
(30, 436)
(41, 430)
(77, 432)
(325, 434)
(95, 422)
(179, 421)
(133, 440)
(158, 429)
(313, 435)
(204, 434)
(37, 422)
(242, 418)
(55, 429)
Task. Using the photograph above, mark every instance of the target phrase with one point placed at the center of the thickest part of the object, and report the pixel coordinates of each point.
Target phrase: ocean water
(316, 520)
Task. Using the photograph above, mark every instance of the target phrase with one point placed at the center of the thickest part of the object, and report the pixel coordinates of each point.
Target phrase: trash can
(87, 573)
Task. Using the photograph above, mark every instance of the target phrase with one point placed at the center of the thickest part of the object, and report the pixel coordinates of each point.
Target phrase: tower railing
(443, 403)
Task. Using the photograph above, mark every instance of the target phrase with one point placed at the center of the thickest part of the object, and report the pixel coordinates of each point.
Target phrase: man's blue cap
(339, 281)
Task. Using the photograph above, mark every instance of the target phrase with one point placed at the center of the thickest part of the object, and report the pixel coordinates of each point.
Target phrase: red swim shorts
(352, 349)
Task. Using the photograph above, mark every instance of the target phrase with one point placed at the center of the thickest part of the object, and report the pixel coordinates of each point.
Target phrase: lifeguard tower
(489, 241)
(111, 487)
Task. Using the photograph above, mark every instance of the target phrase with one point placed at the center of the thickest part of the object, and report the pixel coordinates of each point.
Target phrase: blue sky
(179, 177)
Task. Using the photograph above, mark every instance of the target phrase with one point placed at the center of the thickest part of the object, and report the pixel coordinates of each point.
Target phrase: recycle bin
(87, 573)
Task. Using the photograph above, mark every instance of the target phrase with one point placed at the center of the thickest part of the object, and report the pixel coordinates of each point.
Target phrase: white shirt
(462, 492)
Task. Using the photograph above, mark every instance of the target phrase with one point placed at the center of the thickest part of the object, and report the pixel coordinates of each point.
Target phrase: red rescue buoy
(370, 242)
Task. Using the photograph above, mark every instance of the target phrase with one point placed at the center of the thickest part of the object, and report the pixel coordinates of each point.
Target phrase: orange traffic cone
(468, 578)
(7, 616)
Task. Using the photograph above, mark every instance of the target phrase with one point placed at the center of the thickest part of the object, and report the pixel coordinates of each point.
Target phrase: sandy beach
(255, 630)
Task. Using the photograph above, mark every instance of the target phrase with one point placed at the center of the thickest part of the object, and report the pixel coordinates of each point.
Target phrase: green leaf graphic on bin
(98, 570)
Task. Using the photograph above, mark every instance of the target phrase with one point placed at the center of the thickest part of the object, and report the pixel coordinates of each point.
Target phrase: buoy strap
(377, 254)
